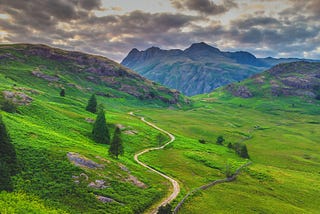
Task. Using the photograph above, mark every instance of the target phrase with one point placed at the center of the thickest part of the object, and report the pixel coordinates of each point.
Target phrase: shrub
(165, 209)
(9, 106)
(220, 140)
(202, 141)
(62, 93)
(241, 150)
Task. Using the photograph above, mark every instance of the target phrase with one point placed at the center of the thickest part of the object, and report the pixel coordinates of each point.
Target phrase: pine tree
(62, 93)
(8, 158)
(92, 104)
(100, 130)
(116, 147)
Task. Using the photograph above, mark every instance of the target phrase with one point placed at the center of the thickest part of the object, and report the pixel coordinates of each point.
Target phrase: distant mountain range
(199, 68)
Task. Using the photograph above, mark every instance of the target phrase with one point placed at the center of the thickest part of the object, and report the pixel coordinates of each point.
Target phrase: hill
(198, 69)
(68, 69)
(296, 79)
(62, 170)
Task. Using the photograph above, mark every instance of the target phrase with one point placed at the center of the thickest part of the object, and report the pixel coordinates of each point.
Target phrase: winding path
(175, 184)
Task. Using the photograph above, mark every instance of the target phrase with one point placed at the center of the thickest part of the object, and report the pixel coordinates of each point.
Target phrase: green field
(282, 140)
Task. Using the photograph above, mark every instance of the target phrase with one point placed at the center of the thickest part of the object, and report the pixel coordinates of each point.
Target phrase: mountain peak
(202, 46)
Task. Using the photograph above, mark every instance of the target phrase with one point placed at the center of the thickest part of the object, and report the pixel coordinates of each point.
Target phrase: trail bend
(175, 184)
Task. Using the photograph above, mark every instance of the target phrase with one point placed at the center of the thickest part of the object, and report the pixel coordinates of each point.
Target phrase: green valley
(61, 169)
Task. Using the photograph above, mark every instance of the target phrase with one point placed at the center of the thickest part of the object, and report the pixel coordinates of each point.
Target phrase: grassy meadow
(282, 140)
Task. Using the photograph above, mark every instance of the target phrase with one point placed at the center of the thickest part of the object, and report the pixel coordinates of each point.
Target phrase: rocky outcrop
(18, 98)
(82, 161)
(49, 78)
(239, 91)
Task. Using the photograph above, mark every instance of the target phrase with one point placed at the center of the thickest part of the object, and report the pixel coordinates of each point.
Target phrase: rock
(123, 168)
(121, 127)
(18, 98)
(90, 120)
(98, 184)
(130, 132)
(239, 91)
(82, 161)
(49, 78)
(104, 199)
(135, 181)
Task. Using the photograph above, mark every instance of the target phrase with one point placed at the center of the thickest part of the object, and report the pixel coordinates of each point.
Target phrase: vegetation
(165, 209)
(116, 147)
(62, 92)
(241, 150)
(220, 140)
(100, 131)
(8, 159)
(92, 104)
(9, 106)
(282, 141)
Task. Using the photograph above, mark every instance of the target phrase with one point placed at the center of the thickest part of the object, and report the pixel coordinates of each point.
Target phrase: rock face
(95, 69)
(18, 98)
(299, 79)
(82, 161)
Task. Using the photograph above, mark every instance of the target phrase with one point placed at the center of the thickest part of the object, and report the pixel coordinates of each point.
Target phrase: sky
(277, 28)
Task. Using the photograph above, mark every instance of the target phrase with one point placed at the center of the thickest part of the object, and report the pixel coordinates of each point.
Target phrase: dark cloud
(73, 24)
(207, 7)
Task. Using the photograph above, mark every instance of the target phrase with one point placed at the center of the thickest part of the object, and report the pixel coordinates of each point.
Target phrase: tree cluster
(8, 159)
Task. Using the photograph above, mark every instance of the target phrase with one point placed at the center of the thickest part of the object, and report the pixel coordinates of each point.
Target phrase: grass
(282, 140)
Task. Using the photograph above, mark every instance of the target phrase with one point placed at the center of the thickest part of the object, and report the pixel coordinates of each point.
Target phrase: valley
(278, 123)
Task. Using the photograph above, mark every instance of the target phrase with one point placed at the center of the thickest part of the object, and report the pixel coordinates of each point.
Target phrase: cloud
(206, 7)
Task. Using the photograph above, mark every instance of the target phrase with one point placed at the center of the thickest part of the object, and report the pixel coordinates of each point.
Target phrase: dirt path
(175, 184)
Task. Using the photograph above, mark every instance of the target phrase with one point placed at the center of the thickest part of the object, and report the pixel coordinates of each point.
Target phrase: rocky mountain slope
(301, 79)
(197, 69)
(61, 69)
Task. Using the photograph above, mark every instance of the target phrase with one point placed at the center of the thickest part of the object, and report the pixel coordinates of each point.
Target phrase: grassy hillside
(282, 141)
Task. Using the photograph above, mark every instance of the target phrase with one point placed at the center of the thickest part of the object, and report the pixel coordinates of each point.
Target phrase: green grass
(282, 140)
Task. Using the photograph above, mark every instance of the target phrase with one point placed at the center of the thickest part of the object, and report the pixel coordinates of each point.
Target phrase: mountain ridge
(197, 69)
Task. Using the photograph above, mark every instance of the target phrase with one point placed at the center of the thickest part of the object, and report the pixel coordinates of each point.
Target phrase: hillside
(62, 170)
(198, 69)
(80, 71)
(296, 79)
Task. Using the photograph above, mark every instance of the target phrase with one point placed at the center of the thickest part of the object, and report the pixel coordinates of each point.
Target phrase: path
(175, 184)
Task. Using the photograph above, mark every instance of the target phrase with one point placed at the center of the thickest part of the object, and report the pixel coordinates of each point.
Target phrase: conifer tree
(62, 93)
(8, 159)
(100, 130)
(92, 104)
(116, 147)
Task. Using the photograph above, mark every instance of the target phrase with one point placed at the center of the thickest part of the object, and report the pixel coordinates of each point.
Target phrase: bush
(241, 150)
(9, 106)
(62, 93)
(220, 140)
(202, 141)
(165, 209)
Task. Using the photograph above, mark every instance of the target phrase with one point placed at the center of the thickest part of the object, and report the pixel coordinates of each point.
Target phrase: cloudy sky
(278, 28)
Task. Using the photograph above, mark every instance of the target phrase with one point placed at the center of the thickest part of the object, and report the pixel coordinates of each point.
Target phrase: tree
(100, 130)
(230, 146)
(9, 106)
(92, 104)
(62, 93)
(220, 140)
(8, 159)
(116, 147)
(165, 209)
(241, 150)
(202, 141)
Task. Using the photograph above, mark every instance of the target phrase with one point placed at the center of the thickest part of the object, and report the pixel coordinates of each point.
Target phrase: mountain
(69, 69)
(197, 69)
(295, 79)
